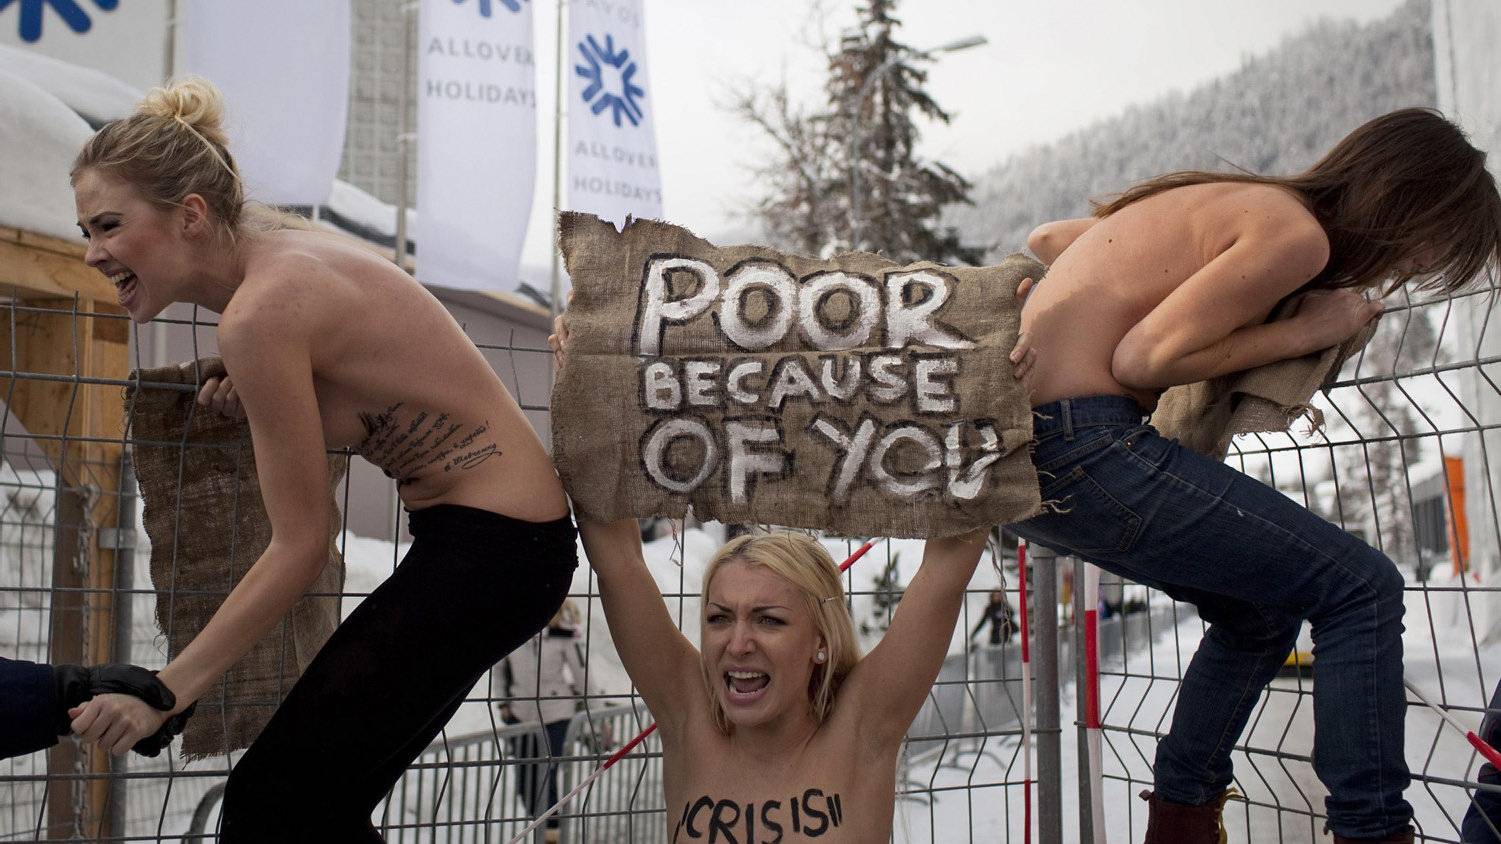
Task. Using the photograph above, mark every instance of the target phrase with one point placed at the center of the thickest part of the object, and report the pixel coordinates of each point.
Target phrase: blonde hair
(175, 145)
(802, 562)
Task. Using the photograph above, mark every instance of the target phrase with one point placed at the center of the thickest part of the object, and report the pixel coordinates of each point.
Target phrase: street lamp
(870, 81)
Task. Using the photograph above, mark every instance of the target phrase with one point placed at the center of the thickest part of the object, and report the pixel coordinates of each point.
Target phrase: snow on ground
(974, 785)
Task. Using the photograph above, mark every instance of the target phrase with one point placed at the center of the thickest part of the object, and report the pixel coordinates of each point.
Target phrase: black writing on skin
(404, 444)
(810, 815)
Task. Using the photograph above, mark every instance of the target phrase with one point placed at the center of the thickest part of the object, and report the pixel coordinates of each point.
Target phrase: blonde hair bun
(193, 101)
(172, 146)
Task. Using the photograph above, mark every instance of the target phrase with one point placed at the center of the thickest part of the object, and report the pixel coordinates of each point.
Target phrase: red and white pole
(1021, 569)
(1092, 701)
(1475, 741)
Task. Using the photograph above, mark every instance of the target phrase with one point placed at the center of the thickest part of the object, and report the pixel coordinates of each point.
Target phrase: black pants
(474, 586)
(537, 782)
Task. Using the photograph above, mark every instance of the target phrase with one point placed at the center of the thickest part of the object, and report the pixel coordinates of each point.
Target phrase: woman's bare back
(397, 380)
(1123, 267)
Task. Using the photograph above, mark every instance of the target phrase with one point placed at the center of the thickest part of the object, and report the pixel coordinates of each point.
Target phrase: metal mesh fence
(1404, 462)
(75, 587)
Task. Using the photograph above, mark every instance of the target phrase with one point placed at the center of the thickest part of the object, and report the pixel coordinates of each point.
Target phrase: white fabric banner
(612, 146)
(476, 141)
(126, 40)
(283, 66)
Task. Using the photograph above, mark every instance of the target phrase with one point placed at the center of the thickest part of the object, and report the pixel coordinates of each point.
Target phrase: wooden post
(81, 430)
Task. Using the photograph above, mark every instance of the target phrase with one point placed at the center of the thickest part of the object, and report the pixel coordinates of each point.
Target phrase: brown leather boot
(1177, 823)
(1403, 836)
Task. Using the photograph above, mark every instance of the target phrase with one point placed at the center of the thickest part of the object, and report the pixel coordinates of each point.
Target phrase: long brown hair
(1403, 183)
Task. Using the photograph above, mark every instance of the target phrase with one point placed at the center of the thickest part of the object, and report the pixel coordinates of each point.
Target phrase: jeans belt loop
(1066, 410)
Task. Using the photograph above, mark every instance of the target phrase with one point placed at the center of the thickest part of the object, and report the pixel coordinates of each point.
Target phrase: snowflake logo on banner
(610, 87)
(72, 14)
(485, 6)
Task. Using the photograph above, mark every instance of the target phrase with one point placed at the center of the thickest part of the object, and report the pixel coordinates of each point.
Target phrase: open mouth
(745, 686)
(126, 285)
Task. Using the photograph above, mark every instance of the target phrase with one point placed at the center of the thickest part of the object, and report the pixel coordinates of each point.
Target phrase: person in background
(1482, 823)
(1000, 616)
(543, 685)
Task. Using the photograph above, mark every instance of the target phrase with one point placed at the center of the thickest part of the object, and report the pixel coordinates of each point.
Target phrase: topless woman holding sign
(778, 730)
(1172, 283)
(328, 346)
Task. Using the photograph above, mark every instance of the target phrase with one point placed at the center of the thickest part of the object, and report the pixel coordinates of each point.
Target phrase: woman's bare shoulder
(1262, 207)
(311, 272)
(1274, 218)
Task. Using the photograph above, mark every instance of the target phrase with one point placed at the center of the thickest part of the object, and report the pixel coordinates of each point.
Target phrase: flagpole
(404, 137)
(555, 292)
(169, 67)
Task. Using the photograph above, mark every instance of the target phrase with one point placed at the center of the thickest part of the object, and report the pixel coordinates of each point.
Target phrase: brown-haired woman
(328, 346)
(1172, 283)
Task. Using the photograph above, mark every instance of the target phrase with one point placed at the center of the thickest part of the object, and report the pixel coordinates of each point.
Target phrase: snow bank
(96, 96)
(40, 136)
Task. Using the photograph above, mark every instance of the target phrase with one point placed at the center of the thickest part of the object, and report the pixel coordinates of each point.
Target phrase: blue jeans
(1483, 819)
(1256, 565)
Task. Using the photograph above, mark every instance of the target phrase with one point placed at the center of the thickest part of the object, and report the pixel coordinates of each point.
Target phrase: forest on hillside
(1276, 114)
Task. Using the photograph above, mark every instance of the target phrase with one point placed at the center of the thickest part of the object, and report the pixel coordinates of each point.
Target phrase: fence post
(67, 806)
(122, 542)
(1045, 666)
(1081, 691)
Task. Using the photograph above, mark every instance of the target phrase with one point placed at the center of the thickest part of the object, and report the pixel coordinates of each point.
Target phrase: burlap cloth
(207, 525)
(1207, 415)
(600, 416)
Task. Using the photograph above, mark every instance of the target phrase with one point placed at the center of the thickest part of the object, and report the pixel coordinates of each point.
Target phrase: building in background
(1465, 34)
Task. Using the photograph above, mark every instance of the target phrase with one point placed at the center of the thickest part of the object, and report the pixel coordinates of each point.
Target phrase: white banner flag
(126, 40)
(612, 147)
(476, 141)
(283, 66)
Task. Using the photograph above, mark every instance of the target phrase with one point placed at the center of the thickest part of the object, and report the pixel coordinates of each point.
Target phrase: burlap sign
(207, 525)
(850, 394)
(1205, 416)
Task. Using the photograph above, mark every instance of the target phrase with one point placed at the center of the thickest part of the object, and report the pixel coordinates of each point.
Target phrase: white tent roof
(96, 96)
(40, 136)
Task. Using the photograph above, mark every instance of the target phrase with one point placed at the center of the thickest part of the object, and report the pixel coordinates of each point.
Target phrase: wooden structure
(62, 325)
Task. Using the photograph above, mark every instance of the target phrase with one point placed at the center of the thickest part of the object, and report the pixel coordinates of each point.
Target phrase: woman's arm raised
(889, 685)
(659, 659)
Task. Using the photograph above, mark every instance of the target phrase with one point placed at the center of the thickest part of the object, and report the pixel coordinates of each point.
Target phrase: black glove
(171, 728)
(76, 684)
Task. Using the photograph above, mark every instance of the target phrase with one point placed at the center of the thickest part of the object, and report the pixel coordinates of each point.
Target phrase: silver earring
(820, 657)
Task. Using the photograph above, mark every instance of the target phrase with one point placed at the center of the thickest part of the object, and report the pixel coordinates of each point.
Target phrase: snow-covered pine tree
(901, 195)
(806, 206)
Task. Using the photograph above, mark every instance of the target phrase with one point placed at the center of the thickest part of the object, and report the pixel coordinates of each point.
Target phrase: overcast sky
(1052, 66)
